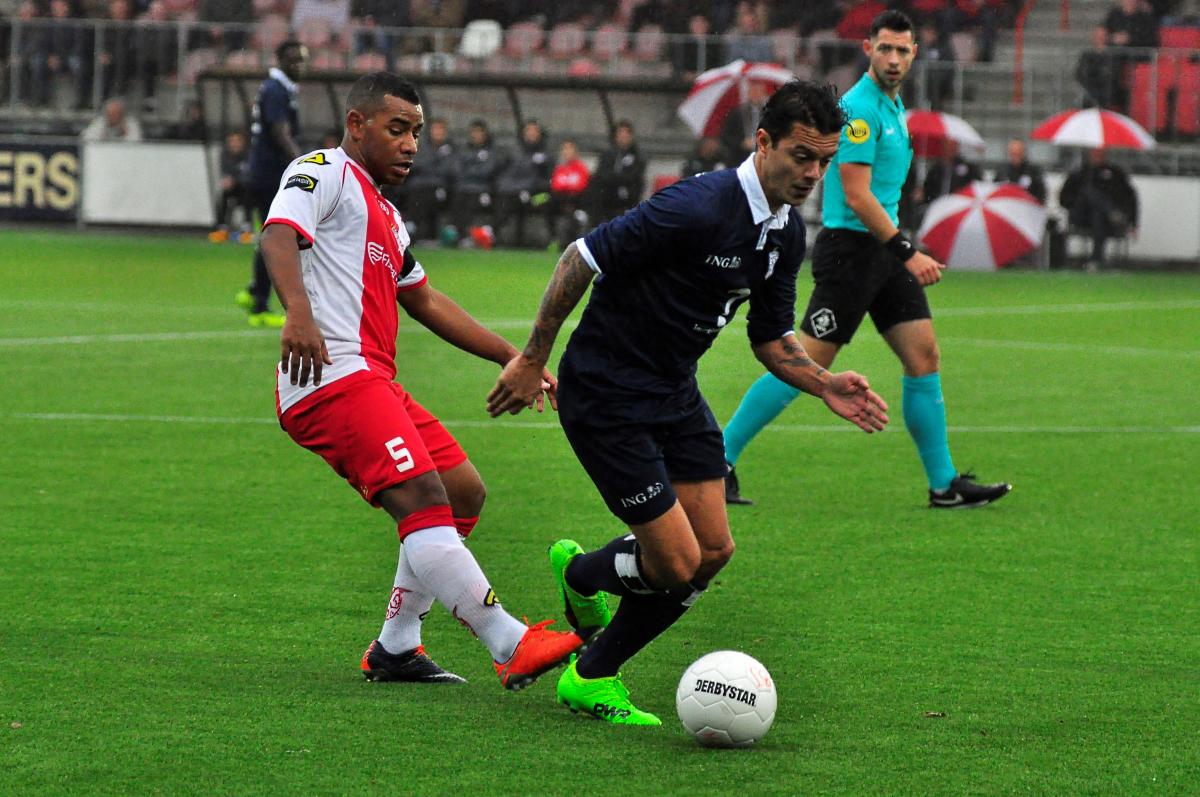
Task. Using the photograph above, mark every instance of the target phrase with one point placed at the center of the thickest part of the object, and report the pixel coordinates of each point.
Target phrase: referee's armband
(900, 247)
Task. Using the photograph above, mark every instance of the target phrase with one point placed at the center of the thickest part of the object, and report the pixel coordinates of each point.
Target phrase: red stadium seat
(661, 181)
(1187, 100)
(1146, 98)
(271, 32)
(609, 41)
(648, 43)
(523, 39)
(1180, 37)
(584, 67)
(370, 62)
(567, 40)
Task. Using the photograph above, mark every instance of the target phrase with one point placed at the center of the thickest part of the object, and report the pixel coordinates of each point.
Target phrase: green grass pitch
(185, 594)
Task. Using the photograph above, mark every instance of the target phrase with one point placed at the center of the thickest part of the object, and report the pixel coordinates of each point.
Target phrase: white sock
(408, 606)
(446, 568)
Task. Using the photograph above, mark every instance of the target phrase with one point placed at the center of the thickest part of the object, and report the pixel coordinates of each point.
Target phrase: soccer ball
(726, 699)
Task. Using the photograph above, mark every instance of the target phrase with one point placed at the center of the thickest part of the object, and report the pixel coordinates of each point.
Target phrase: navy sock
(616, 569)
(638, 620)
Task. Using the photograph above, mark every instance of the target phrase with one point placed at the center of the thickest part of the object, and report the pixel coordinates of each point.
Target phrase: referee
(863, 264)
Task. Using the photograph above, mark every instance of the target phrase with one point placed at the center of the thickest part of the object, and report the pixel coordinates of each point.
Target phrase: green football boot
(244, 300)
(267, 320)
(587, 615)
(604, 698)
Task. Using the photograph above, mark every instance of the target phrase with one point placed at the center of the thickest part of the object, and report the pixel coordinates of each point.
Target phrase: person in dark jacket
(424, 198)
(708, 156)
(620, 175)
(948, 174)
(523, 187)
(1019, 171)
(1100, 198)
(479, 163)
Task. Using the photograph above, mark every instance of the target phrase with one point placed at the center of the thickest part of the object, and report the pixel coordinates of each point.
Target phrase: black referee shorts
(634, 447)
(854, 275)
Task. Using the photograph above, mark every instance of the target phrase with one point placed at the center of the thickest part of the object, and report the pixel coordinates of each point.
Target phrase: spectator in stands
(1019, 171)
(117, 52)
(374, 18)
(620, 175)
(472, 206)
(935, 56)
(670, 15)
(157, 46)
(948, 174)
(114, 123)
(29, 60)
(523, 186)
(333, 15)
(451, 14)
(569, 182)
(424, 197)
(1131, 24)
(739, 127)
(708, 156)
(977, 17)
(190, 126)
(748, 39)
(56, 50)
(234, 191)
(1100, 199)
(695, 53)
(1100, 72)
(219, 13)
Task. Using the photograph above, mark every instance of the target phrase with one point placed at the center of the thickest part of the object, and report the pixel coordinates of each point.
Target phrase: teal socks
(762, 403)
(925, 418)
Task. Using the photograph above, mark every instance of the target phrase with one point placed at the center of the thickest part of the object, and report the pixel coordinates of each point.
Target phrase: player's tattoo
(571, 278)
(800, 369)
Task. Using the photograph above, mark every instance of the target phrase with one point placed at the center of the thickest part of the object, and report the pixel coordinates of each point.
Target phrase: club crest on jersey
(377, 254)
(302, 181)
(772, 259)
(317, 158)
(823, 322)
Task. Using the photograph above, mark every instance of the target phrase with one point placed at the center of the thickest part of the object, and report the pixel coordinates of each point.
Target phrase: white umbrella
(718, 91)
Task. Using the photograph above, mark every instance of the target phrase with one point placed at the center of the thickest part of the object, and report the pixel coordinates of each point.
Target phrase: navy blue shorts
(856, 275)
(634, 446)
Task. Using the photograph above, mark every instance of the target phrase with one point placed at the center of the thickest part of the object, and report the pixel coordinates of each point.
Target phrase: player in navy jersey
(669, 275)
(273, 145)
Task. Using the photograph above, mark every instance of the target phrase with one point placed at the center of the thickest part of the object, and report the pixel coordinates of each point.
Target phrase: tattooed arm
(520, 382)
(846, 393)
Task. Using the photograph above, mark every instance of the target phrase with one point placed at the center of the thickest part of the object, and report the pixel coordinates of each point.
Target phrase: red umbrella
(984, 226)
(930, 129)
(718, 91)
(1096, 128)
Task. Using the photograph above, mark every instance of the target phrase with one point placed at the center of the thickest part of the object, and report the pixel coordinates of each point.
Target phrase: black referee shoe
(413, 666)
(965, 493)
(733, 495)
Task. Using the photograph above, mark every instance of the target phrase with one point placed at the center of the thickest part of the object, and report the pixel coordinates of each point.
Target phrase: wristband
(900, 247)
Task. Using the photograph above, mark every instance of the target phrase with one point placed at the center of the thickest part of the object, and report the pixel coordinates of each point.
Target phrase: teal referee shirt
(877, 136)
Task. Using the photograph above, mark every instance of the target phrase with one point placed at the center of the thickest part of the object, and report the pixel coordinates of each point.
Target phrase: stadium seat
(661, 181)
(481, 38)
(1187, 100)
(567, 40)
(272, 31)
(315, 33)
(966, 47)
(197, 61)
(649, 43)
(1147, 100)
(785, 47)
(243, 59)
(1179, 37)
(328, 58)
(584, 67)
(609, 42)
(523, 39)
(369, 62)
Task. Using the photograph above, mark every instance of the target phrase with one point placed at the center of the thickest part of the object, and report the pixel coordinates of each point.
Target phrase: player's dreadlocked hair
(811, 104)
(369, 91)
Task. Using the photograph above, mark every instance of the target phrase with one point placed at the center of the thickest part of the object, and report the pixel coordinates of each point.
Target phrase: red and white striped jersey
(354, 262)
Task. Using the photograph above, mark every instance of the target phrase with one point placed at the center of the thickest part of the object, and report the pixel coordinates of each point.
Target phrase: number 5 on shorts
(404, 460)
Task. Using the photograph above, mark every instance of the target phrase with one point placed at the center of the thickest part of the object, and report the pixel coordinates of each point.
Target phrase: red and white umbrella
(1095, 128)
(983, 227)
(718, 91)
(929, 130)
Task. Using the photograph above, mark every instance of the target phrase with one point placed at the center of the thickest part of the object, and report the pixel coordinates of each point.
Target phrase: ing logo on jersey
(303, 182)
(858, 131)
(317, 158)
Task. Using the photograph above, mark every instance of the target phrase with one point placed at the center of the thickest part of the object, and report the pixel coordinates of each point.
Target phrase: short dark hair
(892, 20)
(805, 102)
(369, 91)
(284, 46)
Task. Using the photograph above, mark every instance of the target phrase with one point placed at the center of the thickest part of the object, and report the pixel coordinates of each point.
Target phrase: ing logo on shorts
(823, 322)
(858, 131)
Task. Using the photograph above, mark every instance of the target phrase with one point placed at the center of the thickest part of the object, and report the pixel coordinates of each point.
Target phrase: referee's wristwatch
(900, 247)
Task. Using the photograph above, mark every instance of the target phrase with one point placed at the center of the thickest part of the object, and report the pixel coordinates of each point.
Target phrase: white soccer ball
(726, 699)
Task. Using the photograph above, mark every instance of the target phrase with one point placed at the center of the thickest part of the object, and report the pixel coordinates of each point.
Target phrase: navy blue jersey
(672, 273)
(277, 102)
